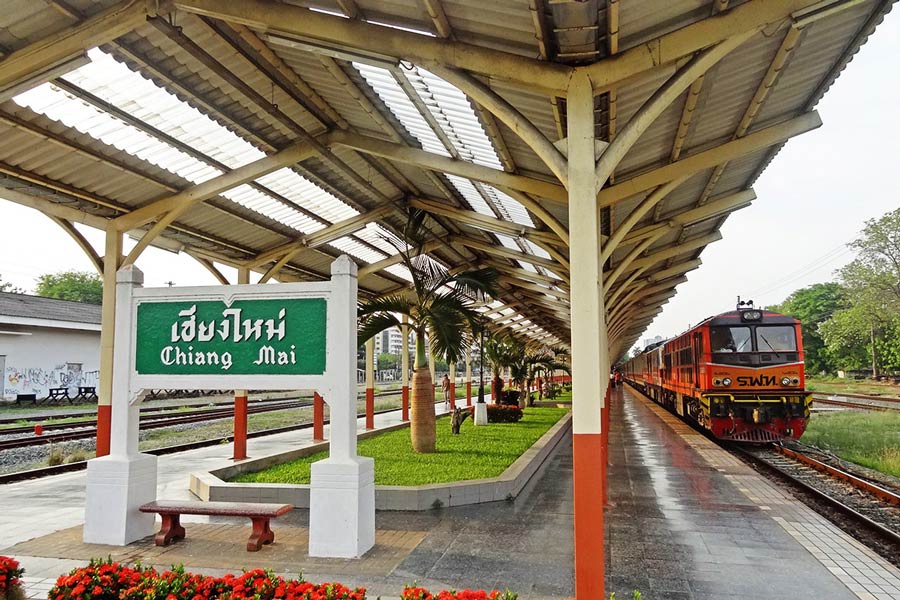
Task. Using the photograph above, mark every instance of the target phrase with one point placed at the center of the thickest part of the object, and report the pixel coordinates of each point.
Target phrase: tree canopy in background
(854, 323)
(6, 286)
(813, 306)
(80, 286)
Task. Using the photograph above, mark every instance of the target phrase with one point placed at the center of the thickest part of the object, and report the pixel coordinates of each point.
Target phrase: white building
(47, 343)
(389, 341)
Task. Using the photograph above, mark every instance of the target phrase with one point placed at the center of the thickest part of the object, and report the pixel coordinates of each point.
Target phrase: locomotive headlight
(795, 381)
(717, 381)
(726, 382)
(751, 315)
(785, 381)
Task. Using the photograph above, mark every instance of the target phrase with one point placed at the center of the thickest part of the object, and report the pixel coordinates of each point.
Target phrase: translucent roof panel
(457, 120)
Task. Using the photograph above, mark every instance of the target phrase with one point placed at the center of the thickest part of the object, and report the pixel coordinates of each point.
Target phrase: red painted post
(452, 395)
(468, 393)
(104, 427)
(370, 408)
(240, 426)
(318, 418)
(404, 409)
(587, 456)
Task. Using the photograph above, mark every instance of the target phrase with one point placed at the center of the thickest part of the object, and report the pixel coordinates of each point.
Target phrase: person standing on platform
(445, 386)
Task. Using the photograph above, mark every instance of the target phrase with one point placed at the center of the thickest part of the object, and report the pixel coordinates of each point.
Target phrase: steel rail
(82, 464)
(876, 490)
(819, 400)
(168, 413)
(876, 528)
(88, 432)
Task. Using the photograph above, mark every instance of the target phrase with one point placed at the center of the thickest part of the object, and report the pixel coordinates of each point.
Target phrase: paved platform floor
(687, 521)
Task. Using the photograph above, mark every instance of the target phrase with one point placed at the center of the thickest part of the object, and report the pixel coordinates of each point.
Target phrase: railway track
(868, 511)
(49, 417)
(88, 429)
(888, 404)
(81, 465)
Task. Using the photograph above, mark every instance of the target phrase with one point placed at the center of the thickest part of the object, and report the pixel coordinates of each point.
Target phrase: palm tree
(439, 305)
(501, 352)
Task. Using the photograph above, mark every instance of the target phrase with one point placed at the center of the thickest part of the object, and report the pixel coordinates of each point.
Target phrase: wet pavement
(686, 521)
(679, 529)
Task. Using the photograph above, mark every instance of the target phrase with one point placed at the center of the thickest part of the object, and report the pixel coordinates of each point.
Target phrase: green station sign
(247, 337)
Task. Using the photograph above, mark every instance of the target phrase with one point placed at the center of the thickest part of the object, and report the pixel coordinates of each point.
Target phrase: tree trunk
(874, 358)
(421, 411)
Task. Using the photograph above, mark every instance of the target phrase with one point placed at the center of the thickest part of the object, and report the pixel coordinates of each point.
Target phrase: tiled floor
(688, 521)
(744, 536)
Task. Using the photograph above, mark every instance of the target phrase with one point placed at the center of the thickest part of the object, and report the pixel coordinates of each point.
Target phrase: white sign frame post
(342, 495)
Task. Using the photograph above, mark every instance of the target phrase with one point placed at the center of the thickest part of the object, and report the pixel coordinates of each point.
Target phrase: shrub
(107, 580)
(56, 457)
(418, 593)
(10, 585)
(497, 413)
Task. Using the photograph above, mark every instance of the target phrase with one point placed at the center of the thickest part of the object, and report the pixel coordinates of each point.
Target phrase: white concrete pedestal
(116, 486)
(481, 413)
(342, 507)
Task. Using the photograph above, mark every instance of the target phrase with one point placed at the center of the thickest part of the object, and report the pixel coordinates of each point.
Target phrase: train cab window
(730, 339)
(776, 339)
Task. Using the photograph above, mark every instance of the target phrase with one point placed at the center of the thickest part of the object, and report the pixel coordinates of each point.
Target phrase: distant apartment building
(653, 340)
(47, 343)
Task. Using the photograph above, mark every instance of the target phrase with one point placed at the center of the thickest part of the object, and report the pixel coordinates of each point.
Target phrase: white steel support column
(589, 349)
(370, 383)
(111, 260)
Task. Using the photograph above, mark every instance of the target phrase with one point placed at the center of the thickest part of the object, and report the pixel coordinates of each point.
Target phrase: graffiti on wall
(37, 380)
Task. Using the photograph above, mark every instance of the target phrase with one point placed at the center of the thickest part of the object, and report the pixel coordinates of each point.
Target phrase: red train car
(738, 374)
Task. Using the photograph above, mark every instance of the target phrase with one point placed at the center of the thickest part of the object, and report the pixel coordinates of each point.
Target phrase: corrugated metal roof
(195, 99)
(50, 309)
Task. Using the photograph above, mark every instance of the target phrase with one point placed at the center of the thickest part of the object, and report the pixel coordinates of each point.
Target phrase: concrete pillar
(404, 366)
(111, 261)
(589, 350)
(120, 482)
(240, 398)
(370, 383)
(342, 487)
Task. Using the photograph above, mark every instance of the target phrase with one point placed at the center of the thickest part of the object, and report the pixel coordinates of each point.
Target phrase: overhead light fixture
(337, 51)
(67, 65)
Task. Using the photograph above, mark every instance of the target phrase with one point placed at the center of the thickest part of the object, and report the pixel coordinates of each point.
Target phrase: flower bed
(10, 585)
(107, 580)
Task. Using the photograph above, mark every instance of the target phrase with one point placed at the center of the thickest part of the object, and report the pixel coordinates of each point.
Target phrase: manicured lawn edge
(212, 487)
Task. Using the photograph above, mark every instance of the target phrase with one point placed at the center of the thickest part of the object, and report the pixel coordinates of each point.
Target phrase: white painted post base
(116, 486)
(481, 413)
(342, 507)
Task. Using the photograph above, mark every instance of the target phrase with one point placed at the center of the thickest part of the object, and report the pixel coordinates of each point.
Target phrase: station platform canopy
(276, 135)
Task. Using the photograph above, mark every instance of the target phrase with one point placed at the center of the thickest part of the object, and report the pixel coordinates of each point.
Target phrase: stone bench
(258, 513)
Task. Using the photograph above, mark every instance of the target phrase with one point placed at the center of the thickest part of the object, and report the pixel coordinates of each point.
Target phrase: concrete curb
(212, 485)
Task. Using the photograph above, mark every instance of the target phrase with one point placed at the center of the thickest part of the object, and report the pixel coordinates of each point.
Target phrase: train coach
(738, 374)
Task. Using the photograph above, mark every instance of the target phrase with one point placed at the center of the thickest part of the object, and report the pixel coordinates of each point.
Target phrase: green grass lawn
(871, 439)
(475, 453)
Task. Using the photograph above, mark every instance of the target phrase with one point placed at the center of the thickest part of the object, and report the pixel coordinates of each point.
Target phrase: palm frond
(394, 303)
(476, 284)
(372, 325)
(447, 319)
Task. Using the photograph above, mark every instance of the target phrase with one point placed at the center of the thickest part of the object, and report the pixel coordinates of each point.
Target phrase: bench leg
(261, 534)
(171, 529)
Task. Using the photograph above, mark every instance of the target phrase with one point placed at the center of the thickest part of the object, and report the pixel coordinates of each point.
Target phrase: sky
(811, 201)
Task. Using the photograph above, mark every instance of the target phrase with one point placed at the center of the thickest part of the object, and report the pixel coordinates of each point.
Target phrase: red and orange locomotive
(738, 374)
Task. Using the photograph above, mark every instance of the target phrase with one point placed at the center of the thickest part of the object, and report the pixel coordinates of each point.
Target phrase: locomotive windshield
(776, 338)
(730, 339)
(771, 338)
